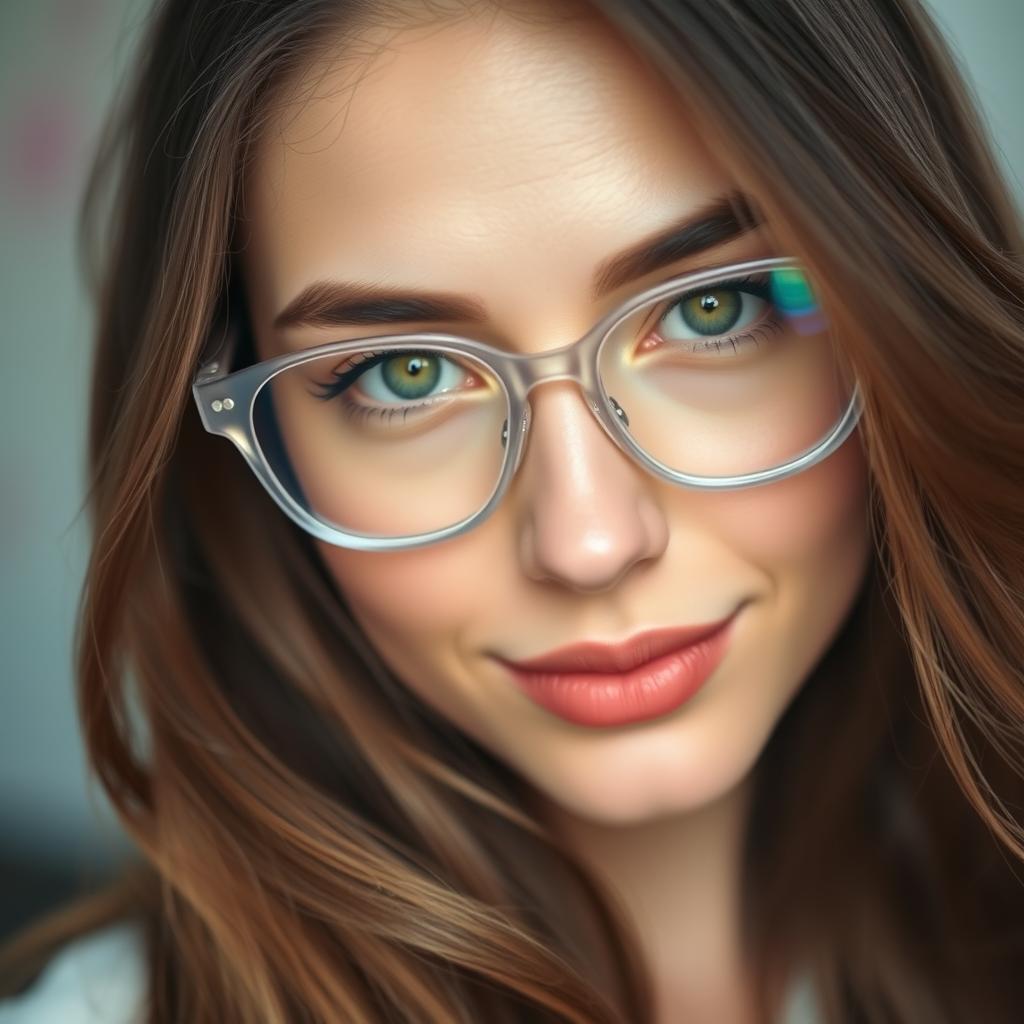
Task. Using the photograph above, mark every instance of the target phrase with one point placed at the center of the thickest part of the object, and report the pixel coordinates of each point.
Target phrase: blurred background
(60, 62)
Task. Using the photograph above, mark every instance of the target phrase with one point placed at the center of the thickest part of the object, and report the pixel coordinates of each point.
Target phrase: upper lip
(594, 656)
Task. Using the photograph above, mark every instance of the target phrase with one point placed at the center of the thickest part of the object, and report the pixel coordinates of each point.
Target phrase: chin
(648, 780)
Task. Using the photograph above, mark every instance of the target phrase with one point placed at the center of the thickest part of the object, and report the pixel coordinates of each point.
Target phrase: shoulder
(801, 1004)
(97, 978)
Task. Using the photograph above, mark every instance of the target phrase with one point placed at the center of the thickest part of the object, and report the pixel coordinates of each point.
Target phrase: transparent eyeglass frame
(226, 402)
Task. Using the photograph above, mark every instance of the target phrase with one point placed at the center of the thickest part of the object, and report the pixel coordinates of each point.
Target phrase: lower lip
(650, 691)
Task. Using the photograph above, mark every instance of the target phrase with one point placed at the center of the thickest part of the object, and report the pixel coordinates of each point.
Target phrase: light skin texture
(538, 153)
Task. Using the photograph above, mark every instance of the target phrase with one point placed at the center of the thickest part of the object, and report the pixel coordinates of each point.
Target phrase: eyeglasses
(725, 378)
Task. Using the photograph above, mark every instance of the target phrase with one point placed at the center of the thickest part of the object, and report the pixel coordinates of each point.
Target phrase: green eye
(718, 311)
(411, 375)
(711, 312)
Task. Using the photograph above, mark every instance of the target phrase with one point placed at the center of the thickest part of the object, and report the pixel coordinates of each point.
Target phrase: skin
(538, 153)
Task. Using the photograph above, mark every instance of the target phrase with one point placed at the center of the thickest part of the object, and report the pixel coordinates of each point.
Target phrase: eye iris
(711, 312)
(411, 376)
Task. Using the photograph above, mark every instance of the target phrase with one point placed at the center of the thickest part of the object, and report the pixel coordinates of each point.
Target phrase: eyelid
(502, 343)
(710, 265)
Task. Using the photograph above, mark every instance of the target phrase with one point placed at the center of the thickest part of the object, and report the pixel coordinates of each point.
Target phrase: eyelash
(364, 362)
(355, 368)
(758, 285)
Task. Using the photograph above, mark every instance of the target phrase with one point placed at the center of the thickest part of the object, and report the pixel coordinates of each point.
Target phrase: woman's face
(504, 161)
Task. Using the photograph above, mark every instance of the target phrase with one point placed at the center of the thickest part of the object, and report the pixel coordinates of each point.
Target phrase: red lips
(618, 658)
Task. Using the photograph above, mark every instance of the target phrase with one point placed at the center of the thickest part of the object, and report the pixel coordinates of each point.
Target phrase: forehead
(487, 155)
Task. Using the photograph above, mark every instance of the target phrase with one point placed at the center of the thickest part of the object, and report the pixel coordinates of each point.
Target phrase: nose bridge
(585, 521)
(566, 363)
(570, 363)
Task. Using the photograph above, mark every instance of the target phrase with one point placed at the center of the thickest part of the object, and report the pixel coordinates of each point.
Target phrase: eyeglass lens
(737, 375)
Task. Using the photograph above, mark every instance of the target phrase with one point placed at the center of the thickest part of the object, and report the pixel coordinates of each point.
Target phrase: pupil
(708, 303)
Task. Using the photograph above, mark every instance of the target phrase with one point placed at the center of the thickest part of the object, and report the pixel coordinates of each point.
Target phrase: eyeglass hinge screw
(217, 404)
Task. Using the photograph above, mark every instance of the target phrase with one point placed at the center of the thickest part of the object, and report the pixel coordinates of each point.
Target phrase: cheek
(420, 591)
(414, 607)
(803, 524)
(810, 539)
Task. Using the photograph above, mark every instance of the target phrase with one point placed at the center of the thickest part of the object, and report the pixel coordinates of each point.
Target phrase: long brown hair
(319, 845)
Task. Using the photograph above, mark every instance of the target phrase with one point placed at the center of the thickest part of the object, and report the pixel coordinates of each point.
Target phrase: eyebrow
(340, 304)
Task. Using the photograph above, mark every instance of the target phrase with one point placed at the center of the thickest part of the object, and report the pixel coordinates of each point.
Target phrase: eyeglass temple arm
(215, 368)
(218, 363)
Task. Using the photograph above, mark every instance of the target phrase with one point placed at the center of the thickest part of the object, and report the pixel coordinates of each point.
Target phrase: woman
(609, 608)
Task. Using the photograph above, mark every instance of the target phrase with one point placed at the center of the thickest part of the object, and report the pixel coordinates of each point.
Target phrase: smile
(648, 676)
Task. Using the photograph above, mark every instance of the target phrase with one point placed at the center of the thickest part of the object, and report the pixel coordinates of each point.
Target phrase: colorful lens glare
(791, 293)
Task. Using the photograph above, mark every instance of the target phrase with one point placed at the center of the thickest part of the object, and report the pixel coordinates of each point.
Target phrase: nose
(586, 513)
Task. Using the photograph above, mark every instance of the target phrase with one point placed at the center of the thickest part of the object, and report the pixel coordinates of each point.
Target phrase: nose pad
(619, 411)
(525, 424)
(523, 427)
(522, 430)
